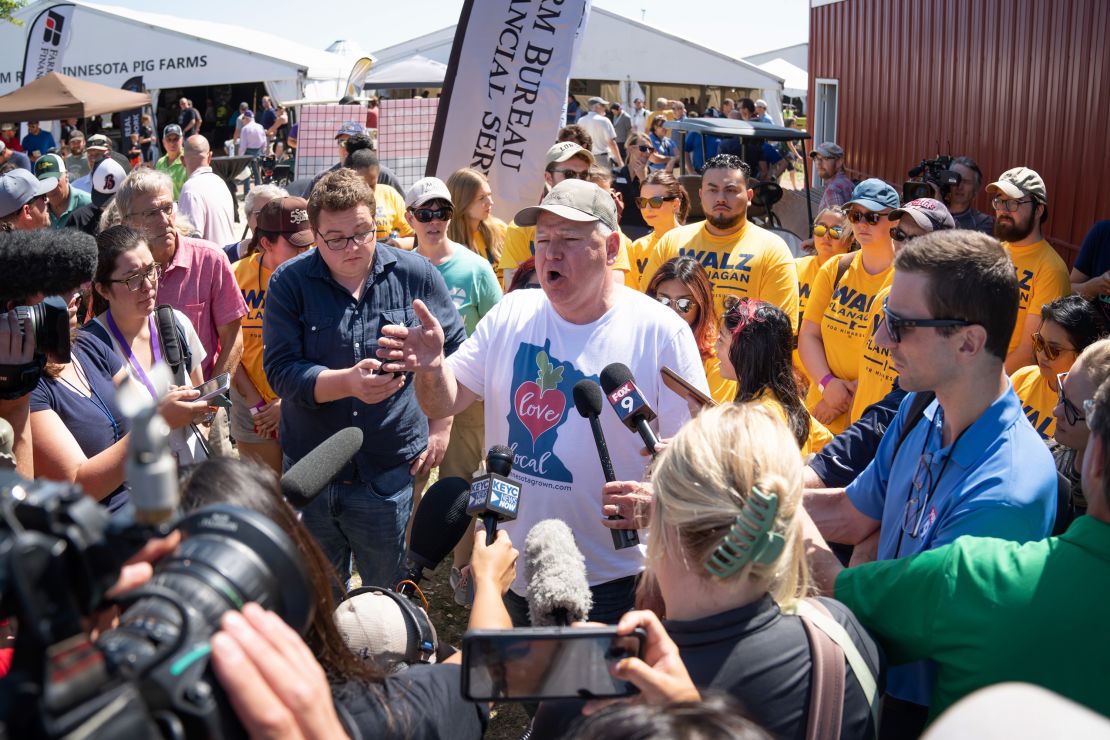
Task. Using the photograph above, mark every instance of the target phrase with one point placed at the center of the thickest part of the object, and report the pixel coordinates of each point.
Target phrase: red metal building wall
(1007, 82)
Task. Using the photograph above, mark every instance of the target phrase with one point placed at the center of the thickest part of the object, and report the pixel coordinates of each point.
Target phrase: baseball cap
(1018, 182)
(287, 216)
(98, 142)
(75, 134)
(563, 151)
(172, 130)
(248, 113)
(107, 176)
(7, 127)
(828, 150)
(49, 165)
(761, 103)
(19, 187)
(874, 195)
(574, 200)
(929, 214)
(375, 627)
(426, 190)
(597, 101)
(349, 128)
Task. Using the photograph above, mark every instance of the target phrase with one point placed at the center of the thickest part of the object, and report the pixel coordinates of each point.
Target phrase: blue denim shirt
(312, 323)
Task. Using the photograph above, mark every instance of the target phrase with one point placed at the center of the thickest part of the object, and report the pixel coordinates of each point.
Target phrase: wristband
(257, 407)
(825, 381)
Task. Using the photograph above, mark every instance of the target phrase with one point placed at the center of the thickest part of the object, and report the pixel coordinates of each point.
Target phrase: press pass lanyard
(155, 348)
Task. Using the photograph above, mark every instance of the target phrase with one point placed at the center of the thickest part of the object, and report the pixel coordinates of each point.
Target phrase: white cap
(106, 180)
(426, 190)
(373, 627)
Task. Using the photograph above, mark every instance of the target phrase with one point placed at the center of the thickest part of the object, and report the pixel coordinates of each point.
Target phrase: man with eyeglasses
(324, 314)
(1020, 207)
(961, 200)
(971, 464)
(23, 200)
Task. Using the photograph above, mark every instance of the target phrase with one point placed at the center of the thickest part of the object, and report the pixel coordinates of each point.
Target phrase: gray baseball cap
(1019, 182)
(19, 187)
(929, 214)
(574, 200)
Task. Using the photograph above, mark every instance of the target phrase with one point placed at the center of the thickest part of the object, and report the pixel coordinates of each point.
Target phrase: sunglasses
(644, 148)
(656, 202)
(1010, 206)
(424, 215)
(1048, 349)
(1071, 413)
(834, 231)
(868, 216)
(682, 305)
(898, 235)
(570, 174)
(895, 323)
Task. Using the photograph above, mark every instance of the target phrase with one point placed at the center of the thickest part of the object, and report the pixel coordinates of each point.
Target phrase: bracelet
(825, 381)
(259, 406)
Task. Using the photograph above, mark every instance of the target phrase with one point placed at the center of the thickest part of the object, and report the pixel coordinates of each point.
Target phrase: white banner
(47, 40)
(504, 94)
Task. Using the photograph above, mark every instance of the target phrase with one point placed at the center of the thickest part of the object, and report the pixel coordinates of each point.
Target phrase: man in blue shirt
(37, 142)
(324, 312)
(972, 464)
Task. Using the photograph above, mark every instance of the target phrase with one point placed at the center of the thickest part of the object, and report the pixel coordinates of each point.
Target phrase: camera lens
(48, 322)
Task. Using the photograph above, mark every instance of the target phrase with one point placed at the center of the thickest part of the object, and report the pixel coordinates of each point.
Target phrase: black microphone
(629, 403)
(495, 496)
(438, 524)
(557, 592)
(47, 261)
(587, 399)
(308, 476)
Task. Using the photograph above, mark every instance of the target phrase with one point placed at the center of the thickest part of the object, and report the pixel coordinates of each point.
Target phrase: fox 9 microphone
(587, 399)
(495, 497)
(629, 403)
(557, 592)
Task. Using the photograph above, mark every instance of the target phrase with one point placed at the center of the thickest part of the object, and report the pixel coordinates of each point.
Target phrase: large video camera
(933, 178)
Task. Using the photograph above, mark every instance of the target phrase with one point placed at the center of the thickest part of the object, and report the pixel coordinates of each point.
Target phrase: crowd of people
(894, 447)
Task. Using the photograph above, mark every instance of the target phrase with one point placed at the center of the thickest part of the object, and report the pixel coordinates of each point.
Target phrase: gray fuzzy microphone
(558, 592)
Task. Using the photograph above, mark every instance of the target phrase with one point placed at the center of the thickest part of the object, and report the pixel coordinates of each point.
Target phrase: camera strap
(171, 345)
(16, 381)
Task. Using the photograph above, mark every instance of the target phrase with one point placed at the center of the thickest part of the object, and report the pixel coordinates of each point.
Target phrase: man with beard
(1020, 207)
(742, 259)
(76, 163)
(828, 160)
(962, 198)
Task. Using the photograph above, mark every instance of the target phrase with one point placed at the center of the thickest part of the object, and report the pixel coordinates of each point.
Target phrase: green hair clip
(750, 539)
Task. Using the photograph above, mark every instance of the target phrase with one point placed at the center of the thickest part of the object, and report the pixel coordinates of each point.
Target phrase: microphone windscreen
(47, 261)
(587, 398)
(614, 376)
(556, 575)
(499, 460)
(440, 521)
(308, 476)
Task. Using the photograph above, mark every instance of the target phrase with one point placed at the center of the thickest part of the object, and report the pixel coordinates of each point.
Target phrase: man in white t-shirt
(524, 359)
(205, 200)
(604, 136)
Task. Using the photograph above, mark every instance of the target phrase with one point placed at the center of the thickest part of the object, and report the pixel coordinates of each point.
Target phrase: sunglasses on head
(834, 231)
(682, 305)
(424, 215)
(656, 202)
(1048, 349)
(868, 216)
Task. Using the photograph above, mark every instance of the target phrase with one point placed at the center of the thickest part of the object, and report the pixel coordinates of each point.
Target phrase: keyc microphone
(495, 496)
(629, 403)
(558, 592)
(587, 399)
(439, 523)
(309, 475)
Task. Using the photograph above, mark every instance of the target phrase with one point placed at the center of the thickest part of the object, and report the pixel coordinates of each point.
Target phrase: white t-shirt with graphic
(524, 360)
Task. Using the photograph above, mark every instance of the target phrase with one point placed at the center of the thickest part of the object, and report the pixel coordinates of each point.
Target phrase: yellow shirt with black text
(1042, 278)
(390, 213)
(252, 279)
(807, 268)
(1037, 399)
(876, 375)
(520, 244)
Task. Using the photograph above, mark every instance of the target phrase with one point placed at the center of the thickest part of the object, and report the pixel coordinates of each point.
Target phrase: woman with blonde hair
(727, 552)
(474, 224)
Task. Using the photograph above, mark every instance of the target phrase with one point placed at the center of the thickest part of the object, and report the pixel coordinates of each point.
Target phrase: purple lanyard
(154, 346)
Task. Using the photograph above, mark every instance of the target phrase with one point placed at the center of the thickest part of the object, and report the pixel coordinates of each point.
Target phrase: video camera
(932, 178)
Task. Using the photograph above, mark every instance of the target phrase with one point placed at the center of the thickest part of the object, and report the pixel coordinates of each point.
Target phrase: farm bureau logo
(52, 29)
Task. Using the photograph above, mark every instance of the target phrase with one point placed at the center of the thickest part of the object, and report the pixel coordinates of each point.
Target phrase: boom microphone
(439, 523)
(558, 592)
(629, 403)
(587, 399)
(308, 476)
(47, 261)
(495, 496)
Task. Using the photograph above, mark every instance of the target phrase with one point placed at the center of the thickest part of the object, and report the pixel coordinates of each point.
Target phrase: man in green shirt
(987, 610)
(63, 200)
(172, 162)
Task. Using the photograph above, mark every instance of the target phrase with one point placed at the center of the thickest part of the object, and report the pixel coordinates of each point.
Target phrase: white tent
(415, 71)
(110, 45)
(795, 79)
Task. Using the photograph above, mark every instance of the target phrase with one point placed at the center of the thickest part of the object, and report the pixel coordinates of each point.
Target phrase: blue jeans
(256, 173)
(366, 520)
(611, 600)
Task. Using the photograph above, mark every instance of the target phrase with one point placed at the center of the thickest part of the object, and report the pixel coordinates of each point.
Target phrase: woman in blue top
(664, 155)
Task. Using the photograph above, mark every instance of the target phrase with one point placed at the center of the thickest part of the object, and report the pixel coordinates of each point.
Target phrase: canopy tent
(795, 79)
(415, 71)
(55, 96)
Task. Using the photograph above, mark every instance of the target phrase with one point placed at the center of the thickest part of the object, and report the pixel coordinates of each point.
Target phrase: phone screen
(213, 387)
(546, 663)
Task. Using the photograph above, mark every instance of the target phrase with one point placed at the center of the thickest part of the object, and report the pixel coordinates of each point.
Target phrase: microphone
(439, 523)
(48, 261)
(587, 399)
(495, 496)
(627, 400)
(557, 591)
(308, 476)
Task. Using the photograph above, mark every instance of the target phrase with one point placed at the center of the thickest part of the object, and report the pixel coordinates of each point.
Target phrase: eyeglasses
(682, 305)
(895, 323)
(1010, 206)
(834, 231)
(730, 302)
(135, 282)
(340, 243)
(656, 202)
(868, 216)
(570, 174)
(424, 215)
(643, 148)
(922, 489)
(1071, 412)
(898, 235)
(1048, 349)
(166, 210)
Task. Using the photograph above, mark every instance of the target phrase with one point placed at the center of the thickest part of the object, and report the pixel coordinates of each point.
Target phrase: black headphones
(417, 623)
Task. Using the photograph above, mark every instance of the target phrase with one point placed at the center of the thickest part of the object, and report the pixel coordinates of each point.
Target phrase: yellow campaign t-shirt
(721, 389)
(752, 263)
(253, 279)
(390, 214)
(520, 244)
(1042, 278)
(876, 374)
(845, 321)
(807, 268)
(638, 254)
(819, 435)
(1037, 398)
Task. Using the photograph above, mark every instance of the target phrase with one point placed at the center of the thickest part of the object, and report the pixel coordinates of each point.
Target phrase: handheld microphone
(558, 592)
(309, 475)
(587, 399)
(439, 523)
(495, 496)
(629, 403)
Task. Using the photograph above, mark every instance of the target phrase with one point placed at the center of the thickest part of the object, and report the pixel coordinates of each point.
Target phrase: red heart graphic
(539, 410)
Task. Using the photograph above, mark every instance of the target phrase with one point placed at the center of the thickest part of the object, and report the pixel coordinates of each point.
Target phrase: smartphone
(537, 663)
(217, 386)
(682, 387)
